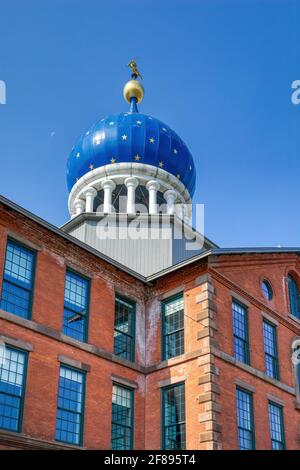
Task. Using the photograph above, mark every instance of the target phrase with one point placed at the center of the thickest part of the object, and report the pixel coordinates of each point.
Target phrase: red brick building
(199, 353)
(208, 368)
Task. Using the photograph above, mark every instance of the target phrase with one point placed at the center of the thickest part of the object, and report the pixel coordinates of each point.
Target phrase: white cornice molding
(118, 172)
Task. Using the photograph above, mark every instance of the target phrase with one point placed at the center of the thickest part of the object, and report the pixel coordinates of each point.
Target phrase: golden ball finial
(133, 89)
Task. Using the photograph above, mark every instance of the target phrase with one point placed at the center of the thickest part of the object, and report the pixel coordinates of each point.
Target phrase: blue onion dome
(131, 137)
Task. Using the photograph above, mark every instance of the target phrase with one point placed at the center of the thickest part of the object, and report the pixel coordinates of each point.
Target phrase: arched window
(267, 289)
(294, 297)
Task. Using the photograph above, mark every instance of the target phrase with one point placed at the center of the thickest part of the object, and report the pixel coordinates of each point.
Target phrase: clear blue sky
(218, 72)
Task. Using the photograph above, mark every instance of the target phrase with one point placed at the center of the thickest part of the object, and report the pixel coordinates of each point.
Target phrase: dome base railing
(132, 175)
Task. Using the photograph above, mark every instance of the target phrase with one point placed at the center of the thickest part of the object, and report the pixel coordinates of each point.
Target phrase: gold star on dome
(161, 164)
(178, 176)
(151, 140)
(137, 158)
(139, 122)
(124, 137)
(113, 160)
(91, 167)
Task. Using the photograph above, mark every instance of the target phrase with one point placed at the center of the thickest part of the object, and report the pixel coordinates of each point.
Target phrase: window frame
(163, 401)
(133, 335)
(276, 357)
(23, 396)
(292, 277)
(34, 263)
(270, 292)
(252, 420)
(81, 434)
(164, 303)
(87, 316)
(276, 405)
(132, 402)
(246, 341)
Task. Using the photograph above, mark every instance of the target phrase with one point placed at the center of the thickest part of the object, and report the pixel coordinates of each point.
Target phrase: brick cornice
(234, 260)
(251, 370)
(90, 348)
(57, 336)
(22, 441)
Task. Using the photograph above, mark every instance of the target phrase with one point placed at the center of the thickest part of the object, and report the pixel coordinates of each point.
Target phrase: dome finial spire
(133, 90)
(135, 73)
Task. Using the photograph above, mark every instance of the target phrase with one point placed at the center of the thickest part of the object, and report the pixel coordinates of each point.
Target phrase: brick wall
(208, 367)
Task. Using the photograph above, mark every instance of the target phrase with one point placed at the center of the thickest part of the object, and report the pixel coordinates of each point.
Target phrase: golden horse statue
(135, 72)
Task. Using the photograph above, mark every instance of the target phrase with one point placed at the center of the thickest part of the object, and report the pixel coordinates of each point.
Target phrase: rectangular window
(12, 388)
(76, 306)
(276, 426)
(124, 330)
(172, 327)
(122, 418)
(70, 405)
(270, 345)
(244, 404)
(173, 404)
(240, 332)
(18, 276)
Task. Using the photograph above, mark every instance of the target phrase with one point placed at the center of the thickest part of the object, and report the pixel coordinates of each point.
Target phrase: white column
(170, 196)
(131, 183)
(152, 187)
(90, 195)
(108, 187)
(79, 206)
(180, 211)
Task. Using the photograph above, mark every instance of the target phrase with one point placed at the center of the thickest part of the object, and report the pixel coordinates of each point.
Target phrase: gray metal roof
(71, 239)
(204, 254)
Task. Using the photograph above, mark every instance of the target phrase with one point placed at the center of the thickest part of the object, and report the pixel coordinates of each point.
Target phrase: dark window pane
(240, 332)
(271, 359)
(122, 418)
(12, 380)
(294, 297)
(17, 280)
(124, 329)
(15, 299)
(76, 306)
(174, 418)
(245, 420)
(70, 405)
(276, 426)
(173, 327)
(267, 290)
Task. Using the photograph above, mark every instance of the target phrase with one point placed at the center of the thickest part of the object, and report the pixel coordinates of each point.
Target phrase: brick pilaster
(208, 399)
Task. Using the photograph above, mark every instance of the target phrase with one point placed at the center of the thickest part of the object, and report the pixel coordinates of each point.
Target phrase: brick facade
(208, 367)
